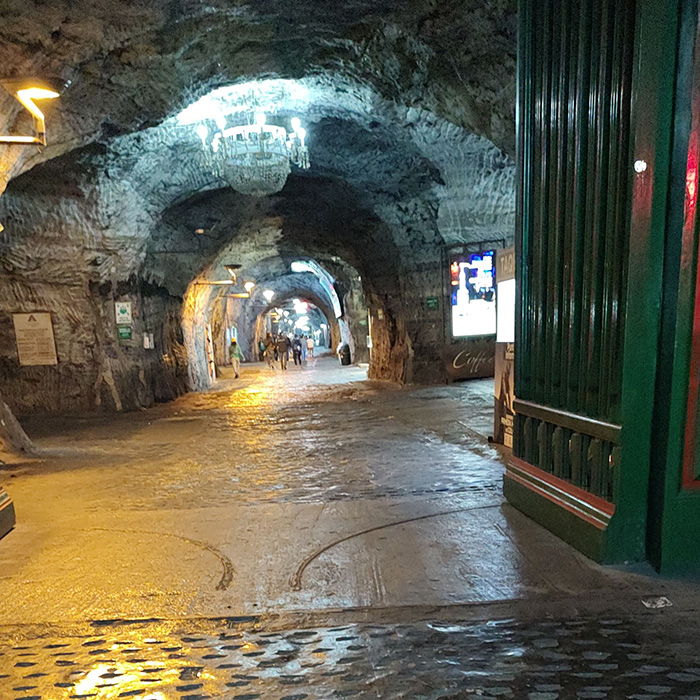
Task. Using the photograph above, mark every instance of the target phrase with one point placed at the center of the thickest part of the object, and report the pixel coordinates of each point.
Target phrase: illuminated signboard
(473, 294)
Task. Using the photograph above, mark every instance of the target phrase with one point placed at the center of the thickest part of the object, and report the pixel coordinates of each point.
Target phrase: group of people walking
(277, 349)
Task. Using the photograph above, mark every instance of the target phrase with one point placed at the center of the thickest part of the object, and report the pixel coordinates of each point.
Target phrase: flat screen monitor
(473, 294)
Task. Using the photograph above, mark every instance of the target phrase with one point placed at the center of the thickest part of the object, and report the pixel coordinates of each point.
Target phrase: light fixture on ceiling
(248, 286)
(269, 295)
(255, 157)
(26, 92)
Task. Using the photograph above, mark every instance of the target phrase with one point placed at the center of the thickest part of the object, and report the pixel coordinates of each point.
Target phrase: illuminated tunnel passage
(218, 171)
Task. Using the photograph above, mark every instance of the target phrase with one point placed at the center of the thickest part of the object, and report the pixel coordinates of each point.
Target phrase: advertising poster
(504, 394)
(504, 389)
(35, 341)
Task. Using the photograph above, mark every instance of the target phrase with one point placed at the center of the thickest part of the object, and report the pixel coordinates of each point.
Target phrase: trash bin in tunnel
(344, 355)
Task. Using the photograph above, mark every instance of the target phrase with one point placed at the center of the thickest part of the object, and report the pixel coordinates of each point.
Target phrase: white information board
(122, 312)
(35, 341)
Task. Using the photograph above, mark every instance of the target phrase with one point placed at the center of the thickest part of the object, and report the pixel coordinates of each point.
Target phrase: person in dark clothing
(283, 350)
(296, 350)
(270, 350)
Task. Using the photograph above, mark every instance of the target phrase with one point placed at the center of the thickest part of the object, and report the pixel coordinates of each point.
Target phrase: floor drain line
(296, 579)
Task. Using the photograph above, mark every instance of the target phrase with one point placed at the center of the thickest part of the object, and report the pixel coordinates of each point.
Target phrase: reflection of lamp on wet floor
(268, 294)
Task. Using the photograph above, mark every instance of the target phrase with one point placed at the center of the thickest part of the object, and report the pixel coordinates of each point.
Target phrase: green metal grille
(574, 102)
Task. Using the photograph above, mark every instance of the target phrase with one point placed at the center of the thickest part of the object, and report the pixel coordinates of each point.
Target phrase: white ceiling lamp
(269, 295)
(254, 157)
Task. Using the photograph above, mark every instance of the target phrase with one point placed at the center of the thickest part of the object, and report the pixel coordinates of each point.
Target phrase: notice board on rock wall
(35, 341)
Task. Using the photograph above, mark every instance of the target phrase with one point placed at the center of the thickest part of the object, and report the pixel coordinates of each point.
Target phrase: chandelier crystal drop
(254, 158)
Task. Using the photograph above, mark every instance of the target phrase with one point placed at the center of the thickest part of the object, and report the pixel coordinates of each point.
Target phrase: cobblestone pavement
(551, 660)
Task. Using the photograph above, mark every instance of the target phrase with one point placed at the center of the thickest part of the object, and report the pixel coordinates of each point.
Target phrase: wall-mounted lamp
(215, 283)
(231, 269)
(27, 92)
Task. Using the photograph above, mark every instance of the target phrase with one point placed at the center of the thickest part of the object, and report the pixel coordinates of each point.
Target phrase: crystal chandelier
(255, 158)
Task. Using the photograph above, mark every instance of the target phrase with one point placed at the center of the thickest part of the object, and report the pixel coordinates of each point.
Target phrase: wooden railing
(582, 451)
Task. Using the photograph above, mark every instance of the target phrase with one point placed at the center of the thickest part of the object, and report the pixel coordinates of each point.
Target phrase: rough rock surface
(409, 109)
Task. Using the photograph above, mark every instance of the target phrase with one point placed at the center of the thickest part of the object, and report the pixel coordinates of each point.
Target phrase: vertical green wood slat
(595, 467)
(529, 81)
(550, 192)
(528, 455)
(578, 229)
(531, 231)
(523, 131)
(608, 309)
(538, 270)
(563, 205)
(558, 452)
(576, 452)
(542, 446)
(566, 465)
(568, 301)
(599, 278)
(595, 157)
(623, 205)
(587, 230)
(585, 477)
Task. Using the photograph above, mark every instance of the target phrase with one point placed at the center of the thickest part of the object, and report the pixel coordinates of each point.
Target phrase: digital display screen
(473, 294)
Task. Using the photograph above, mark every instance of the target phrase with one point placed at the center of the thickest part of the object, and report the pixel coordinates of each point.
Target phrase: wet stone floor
(310, 534)
(577, 659)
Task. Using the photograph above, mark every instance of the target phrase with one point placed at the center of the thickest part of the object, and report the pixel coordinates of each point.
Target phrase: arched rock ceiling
(409, 108)
(132, 64)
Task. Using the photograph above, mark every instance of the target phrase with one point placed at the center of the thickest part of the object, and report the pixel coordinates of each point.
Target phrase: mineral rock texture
(409, 113)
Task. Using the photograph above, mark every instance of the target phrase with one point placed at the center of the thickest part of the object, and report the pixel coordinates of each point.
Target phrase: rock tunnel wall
(410, 116)
(96, 369)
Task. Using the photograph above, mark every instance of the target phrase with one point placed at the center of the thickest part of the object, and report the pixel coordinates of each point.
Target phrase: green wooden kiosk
(608, 319)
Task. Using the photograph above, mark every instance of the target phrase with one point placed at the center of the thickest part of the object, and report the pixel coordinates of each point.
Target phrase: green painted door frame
(652, 108)
(674, 497)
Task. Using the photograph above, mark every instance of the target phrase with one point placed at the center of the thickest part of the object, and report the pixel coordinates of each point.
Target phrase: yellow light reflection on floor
(119, 676)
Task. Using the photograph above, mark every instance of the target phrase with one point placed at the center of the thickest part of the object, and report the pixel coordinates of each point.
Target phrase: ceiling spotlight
(248, 286)
(268, 294)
